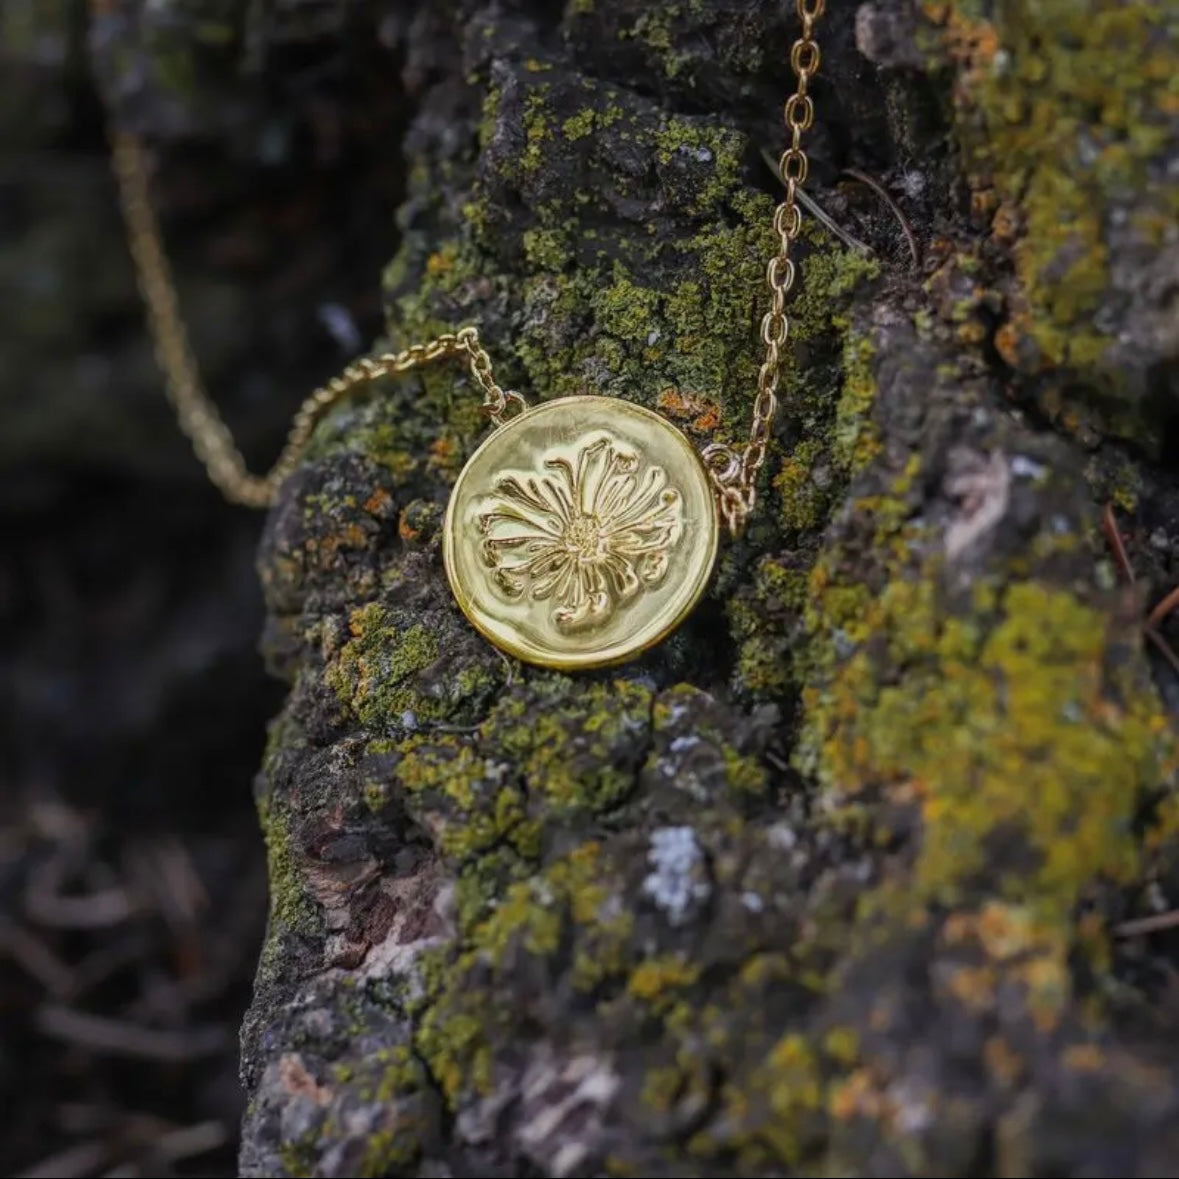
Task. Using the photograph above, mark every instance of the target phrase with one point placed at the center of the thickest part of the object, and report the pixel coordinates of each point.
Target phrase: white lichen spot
(781, 837)
(1023, 467)
(677, 879)
(912, 1106)
(752, 902)
(913, 183)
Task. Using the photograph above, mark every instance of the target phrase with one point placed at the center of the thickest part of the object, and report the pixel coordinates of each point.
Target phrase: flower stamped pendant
(580, 533)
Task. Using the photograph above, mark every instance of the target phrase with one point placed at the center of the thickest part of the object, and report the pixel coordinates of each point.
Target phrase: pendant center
(583, 538)
(588, 529)
(580, 532)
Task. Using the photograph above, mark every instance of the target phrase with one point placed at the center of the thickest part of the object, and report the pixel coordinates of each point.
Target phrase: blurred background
(133, 705)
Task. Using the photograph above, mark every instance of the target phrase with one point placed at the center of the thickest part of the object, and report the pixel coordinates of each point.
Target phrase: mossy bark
(830, 882)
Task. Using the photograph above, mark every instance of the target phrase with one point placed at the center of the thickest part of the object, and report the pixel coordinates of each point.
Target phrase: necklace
(583, 530)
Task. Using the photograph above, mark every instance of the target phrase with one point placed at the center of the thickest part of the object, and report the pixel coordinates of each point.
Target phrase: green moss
(855, 441)
(388, 1150)
(484, 879)
(292, 909)
(580, 125)
(546, 249)
(689, 338)
(574, 746)
(592, 119)
(458, 796)
(745, 774)
(804, 501)
(786, 587)
(626, 310)
(790, 1080)
(476, 681)
(711, 157)
(1005, 720)
(774, 1093)
(571, 753)
(373, 674)
(654, 27)
(658, 980)
(841, 1044)
(390, 1079)
(461, 1019)
(1062, 111)
(828, 275)
(492, 99)
(538, 132)
(299, 1159)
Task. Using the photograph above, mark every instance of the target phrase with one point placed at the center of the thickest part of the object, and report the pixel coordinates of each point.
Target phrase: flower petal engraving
(589, 532)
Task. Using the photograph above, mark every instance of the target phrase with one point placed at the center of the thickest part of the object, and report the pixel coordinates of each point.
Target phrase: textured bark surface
(829, 882)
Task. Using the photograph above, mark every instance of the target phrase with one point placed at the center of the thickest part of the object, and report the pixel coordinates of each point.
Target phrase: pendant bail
(499, 415)
(735, 496)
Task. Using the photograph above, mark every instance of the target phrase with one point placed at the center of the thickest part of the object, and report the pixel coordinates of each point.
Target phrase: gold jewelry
(582, 531)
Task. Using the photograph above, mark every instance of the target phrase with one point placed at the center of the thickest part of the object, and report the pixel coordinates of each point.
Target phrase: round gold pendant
(580, 533)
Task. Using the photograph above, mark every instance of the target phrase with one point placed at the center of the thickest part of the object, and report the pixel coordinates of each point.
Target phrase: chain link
(194, 408)
(734, 472)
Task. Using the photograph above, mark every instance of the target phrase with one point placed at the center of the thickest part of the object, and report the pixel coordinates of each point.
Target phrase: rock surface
(835, 881)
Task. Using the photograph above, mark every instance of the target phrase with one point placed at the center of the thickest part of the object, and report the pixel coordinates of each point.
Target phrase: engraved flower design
(590, 533)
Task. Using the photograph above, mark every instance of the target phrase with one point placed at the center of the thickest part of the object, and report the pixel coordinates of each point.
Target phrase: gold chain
(734, 473)
(195, 411)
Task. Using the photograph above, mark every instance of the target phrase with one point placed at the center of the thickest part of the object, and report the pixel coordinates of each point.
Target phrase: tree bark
(834, 881)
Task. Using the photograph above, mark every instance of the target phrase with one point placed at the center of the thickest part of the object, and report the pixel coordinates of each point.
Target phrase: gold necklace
(582, 531)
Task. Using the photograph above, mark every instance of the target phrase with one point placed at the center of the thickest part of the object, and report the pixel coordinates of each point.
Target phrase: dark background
(133, 704)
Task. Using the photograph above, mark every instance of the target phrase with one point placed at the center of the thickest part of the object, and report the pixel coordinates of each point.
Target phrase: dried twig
(164, 872)
(117, 1038)
(81, 1117)
(132, 945)
(1150, 628)
(35, 958)
(1153, 924)
(87, 1158)
(189, 1141)
(1164, 608)
(883, 193)
(817, 211)
(1162, 646)
(47, 905)
(1113, 535)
